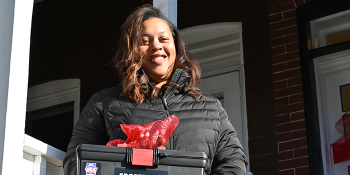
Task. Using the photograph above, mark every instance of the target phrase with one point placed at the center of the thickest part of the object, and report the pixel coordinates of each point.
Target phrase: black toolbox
(110, 160)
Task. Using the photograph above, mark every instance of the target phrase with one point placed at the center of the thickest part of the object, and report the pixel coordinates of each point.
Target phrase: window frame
(53, 93)
(319, 35)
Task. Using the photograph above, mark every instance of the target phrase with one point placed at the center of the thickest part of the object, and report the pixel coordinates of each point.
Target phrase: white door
(226, 87)
(335, 112)
(218, 49)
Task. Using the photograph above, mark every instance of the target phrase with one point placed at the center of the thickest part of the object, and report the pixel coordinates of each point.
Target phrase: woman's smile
(157, 59)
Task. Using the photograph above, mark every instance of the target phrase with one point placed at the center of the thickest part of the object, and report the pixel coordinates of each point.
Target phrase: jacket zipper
(166, 107)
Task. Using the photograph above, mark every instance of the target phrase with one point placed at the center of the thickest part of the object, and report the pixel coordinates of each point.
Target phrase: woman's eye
(145, 41)
(165, 39)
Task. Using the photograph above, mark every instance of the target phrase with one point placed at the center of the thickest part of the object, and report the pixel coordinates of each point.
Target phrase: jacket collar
(180, 78)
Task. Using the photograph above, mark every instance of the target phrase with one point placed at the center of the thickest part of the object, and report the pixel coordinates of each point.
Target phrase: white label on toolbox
(91, 169)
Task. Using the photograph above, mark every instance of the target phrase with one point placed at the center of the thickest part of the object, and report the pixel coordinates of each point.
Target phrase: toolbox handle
(143, 157)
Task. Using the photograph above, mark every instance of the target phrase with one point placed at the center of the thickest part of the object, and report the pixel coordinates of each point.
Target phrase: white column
(40, 165)
(169, 9)
(14, 63)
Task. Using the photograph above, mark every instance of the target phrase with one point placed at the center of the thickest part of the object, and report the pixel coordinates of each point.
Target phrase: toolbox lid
(124, 154)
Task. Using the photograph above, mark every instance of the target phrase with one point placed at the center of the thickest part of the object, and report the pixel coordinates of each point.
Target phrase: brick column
(289, 104)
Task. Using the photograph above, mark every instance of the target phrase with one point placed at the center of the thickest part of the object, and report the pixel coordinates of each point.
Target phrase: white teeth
(158, 58)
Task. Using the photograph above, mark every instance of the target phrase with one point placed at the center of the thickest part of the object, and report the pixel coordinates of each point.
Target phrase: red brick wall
(289, 106)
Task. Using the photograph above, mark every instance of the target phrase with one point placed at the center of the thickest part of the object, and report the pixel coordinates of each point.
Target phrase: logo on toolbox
(91, 169)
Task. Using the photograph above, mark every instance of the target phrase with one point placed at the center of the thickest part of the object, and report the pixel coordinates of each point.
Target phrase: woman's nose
(156, 45)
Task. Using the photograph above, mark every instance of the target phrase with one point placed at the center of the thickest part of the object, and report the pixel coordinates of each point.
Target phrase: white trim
(244, 114)
(17, 88)
(243, 99)
(326, 66)
(242, 53)
(220, 71)
(54, 93)
(322, 27)
(219, 57)
(215, 46)
(36, 147)
(168, 8)
(28, 162)
(335, 63)
(39, 165)
(222, 29)
(322, 111)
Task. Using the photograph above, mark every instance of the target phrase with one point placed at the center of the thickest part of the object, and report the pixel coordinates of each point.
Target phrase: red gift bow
(341, 147)
(151, 136)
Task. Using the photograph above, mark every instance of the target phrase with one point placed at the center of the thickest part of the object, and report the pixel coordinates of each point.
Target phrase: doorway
(227, 88)
(218, 50)
(332, 72)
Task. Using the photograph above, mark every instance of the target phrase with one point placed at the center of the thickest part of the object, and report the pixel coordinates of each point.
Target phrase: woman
(159, 78)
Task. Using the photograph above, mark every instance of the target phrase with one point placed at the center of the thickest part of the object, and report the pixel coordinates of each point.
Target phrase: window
(52, 125)
(330, 29)
(52, 111)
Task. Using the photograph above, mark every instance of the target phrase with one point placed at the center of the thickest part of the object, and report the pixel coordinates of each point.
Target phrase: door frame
(240, 70)
(325, 66)
(195, 34)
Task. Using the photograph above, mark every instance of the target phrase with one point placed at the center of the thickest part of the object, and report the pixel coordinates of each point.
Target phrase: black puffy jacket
(203, 126)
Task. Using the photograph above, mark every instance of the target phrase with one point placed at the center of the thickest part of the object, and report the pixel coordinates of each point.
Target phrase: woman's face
(159, 48)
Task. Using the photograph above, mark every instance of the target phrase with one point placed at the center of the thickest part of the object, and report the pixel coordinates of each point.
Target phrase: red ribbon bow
(151, 136)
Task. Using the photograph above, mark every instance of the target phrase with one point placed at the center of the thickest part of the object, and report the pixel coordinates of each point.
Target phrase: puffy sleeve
(229, 156)
(90, 129)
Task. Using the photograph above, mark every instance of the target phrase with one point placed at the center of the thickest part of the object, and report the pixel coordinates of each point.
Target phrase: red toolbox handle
(142, 157)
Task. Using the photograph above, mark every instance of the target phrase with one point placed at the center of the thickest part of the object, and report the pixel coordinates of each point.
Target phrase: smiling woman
(160, 78)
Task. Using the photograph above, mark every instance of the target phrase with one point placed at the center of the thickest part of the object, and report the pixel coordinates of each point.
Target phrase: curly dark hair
(129, 60)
